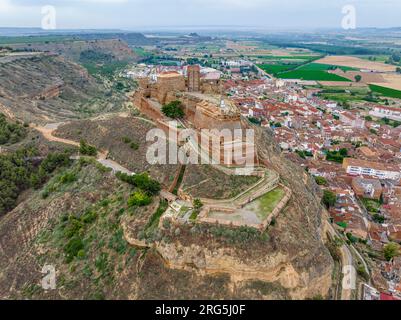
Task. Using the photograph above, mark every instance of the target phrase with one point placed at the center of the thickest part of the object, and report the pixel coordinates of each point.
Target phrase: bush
(197, 203)
(69, 177)
(329, 198)
(134, 146)
(140, 199)
(86, 149)
(351, 238)
(173, 110)
(378, 218)
(320, 181)
(391, 250)
(72, 248)
(141, 181)
(18, 173)
(55, 160)
(126, 140)
(11, 133)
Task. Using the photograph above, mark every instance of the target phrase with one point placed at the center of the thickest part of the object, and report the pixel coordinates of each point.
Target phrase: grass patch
(311, 75)
(153, 222)
(269, 201)
(371, 205)
(179, 181)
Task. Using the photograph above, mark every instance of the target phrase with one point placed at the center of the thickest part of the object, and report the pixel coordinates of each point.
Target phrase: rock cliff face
(274, 268)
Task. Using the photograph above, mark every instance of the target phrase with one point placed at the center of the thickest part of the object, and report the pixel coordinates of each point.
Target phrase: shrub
(140, 199)
(378, 218)
(86, 149)
(55, 160)
(141, 181)
(69, 177)
(72, 248)
(197, 203)
(126, 140)
(89, 217)
(320, 181)
(173, 110)
(11, 133)
(391, 250)
(329, 198)
(134, 146)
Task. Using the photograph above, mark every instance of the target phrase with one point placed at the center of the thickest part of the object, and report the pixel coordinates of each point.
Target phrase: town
(353, 150)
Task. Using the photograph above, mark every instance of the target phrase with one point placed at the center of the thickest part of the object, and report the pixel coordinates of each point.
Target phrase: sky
(146, 14)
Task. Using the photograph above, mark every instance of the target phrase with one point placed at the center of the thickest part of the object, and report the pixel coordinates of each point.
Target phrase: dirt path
(48, 131)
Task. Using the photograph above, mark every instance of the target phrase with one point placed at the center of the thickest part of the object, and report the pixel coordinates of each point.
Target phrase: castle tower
(193, 78)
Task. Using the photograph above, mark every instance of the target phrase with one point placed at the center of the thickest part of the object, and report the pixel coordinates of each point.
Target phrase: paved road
(346, 260)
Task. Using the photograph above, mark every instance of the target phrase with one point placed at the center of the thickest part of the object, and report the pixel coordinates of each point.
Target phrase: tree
(398, 70)
(368, 118)
(320, 181)
(173, 110)
(329, 198)
(378, 218)
(396, 57)
(343, 152)
(197, 203)
(391, 250)
(358, 78)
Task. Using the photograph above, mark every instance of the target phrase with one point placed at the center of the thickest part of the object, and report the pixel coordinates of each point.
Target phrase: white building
(386, 112)
(357, 167)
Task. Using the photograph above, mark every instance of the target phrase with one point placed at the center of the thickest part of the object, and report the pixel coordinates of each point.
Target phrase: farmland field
(392, 93)
(354, 62)
(323, 67)
(312, 75)
(305, 71)
(277, 68)
(344, 94)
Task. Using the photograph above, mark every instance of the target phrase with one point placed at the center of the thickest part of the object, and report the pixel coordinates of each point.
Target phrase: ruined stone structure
(169, 82)
(193, 78)
(204, 111)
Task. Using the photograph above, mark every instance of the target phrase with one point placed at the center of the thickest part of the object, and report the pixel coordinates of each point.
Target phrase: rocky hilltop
(291, 254)
(72, 49)
(49, 88)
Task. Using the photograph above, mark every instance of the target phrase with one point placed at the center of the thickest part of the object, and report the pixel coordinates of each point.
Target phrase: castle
(204, 105)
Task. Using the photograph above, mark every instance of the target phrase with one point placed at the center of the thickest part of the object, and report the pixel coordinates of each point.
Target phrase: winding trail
(48, 130)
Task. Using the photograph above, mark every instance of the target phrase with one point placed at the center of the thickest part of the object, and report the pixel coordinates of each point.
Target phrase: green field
(387, 92)
(344, 94)
(299, 57)
(323, 67)
(33, 39)
(311, 75)
(305, 71)
(276, 68)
